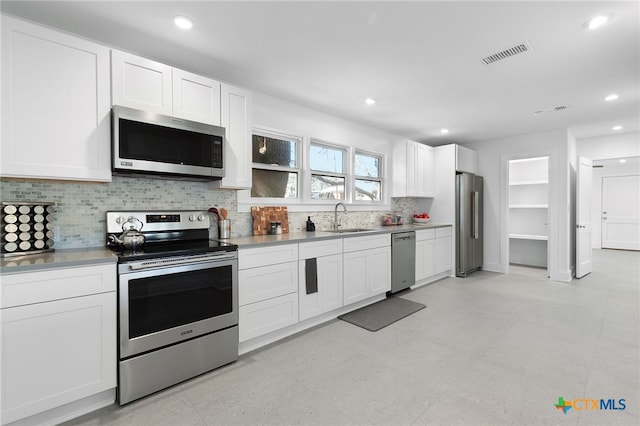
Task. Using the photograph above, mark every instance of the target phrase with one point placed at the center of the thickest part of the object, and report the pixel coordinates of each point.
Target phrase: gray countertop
(301, 237)
(60, 258)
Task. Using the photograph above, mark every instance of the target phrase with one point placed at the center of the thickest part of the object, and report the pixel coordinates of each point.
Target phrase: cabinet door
(329, 294)
(141, 83)
(309, 305)
(330, 280)
(412, 168)
(443, 254)
(355, 283)
(196, 98)
(236, 119)
(269, 315)
(57, 352)
(429, 177)
(379, 270)
(55, 105)
(425, 266)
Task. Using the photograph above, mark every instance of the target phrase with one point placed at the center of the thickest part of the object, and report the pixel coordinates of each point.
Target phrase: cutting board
(263, 216)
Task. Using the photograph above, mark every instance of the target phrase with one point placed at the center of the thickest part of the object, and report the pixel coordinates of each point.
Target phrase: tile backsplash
(80, 207)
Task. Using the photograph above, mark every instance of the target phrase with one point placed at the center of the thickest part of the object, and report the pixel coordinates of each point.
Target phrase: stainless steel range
(177, 299)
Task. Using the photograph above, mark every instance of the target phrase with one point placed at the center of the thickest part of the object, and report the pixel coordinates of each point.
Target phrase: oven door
(162, 306)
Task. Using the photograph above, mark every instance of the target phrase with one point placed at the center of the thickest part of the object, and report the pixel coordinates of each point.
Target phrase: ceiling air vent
(507, 53)
(558, 108)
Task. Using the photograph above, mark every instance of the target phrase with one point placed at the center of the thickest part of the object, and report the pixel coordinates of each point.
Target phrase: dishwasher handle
(404, 236)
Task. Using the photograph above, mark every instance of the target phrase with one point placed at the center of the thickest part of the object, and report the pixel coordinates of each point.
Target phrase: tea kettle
(131, 238)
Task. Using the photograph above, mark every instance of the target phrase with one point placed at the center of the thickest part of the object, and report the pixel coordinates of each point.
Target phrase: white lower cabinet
(425, 254)
(267, 289)
(442, 247)
(433, 253)
(327, 294)
(367, 271)
(59, 351)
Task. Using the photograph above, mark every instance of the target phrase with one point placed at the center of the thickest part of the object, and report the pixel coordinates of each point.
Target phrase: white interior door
(621, 212)
(583, 217)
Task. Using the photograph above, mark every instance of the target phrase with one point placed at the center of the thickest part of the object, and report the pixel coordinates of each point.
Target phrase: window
(328, 176)
(276, 168)
(368, 177)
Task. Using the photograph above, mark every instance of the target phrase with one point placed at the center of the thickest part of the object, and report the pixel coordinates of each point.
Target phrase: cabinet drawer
(270, 315)
(266, 282)
(443, 232)
(263, 256)
(56, 284)
(364, 243)
(320, 248)
(425, 234)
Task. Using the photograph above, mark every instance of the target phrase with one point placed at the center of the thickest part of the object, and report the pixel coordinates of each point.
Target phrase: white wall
(493, 158)
(610, 146)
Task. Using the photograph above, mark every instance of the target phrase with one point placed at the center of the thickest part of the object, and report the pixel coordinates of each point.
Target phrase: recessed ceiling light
(370, 101)
(444, 131)
(622, 160)
(598, 21)
(616, 128)
(611, 97)
(183, 22)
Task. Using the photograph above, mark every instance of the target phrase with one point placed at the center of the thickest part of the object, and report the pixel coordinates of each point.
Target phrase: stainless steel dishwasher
(403, 260)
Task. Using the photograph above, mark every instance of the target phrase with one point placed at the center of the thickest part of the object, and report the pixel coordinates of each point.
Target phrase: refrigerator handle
(476, 214)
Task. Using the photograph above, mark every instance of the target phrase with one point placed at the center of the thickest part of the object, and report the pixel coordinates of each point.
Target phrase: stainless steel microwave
(159, 145)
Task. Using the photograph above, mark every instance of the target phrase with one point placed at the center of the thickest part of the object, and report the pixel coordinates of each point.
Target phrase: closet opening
(528, 224)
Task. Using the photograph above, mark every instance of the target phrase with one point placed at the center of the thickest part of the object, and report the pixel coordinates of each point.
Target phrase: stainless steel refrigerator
(468, 223)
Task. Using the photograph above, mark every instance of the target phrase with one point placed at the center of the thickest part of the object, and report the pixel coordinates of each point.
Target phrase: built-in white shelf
(528, 182)
(529, 206)
(529, 237)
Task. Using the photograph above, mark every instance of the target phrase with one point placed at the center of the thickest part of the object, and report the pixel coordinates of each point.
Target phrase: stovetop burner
(168, 233)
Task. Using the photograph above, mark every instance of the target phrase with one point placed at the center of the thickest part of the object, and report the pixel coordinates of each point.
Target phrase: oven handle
(180, 260)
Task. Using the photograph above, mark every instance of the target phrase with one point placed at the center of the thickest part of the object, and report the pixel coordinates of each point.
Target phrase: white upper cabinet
(141, 83)
(151, 86)
(55, 105)
(237, 121)
(413, 170)
(195, 97)
(466, 160)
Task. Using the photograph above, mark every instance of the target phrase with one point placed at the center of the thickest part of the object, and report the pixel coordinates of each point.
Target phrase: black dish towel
(311, 275)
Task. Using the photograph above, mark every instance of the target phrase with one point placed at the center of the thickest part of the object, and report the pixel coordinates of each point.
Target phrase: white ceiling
(420, 59)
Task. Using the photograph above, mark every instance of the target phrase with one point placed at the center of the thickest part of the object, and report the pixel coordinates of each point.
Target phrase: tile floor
(494, 349)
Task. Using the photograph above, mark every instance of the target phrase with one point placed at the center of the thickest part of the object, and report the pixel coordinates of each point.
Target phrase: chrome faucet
(336, 224)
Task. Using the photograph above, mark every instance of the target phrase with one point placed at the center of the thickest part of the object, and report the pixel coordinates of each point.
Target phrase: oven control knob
(192, 218)
(120, 220)
(201, 217)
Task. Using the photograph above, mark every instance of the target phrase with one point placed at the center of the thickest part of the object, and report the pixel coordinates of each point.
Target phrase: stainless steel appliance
(159, 145)
(177, 301)
(403, 260)
(469, 218)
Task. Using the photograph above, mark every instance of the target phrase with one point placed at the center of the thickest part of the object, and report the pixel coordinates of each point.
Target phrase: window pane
(266, 150)
(327, 187)
(271, 183)
(367, 165)
(327, 159)
(367, 190)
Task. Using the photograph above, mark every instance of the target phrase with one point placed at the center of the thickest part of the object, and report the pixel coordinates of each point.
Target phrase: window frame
(304, 202)
(380, 179)
(310, 172)
(276, 134)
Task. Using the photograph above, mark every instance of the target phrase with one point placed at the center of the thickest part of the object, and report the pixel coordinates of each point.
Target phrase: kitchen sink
(349, 230)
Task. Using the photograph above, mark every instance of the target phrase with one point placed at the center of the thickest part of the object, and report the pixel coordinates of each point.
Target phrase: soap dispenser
(310, 225)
